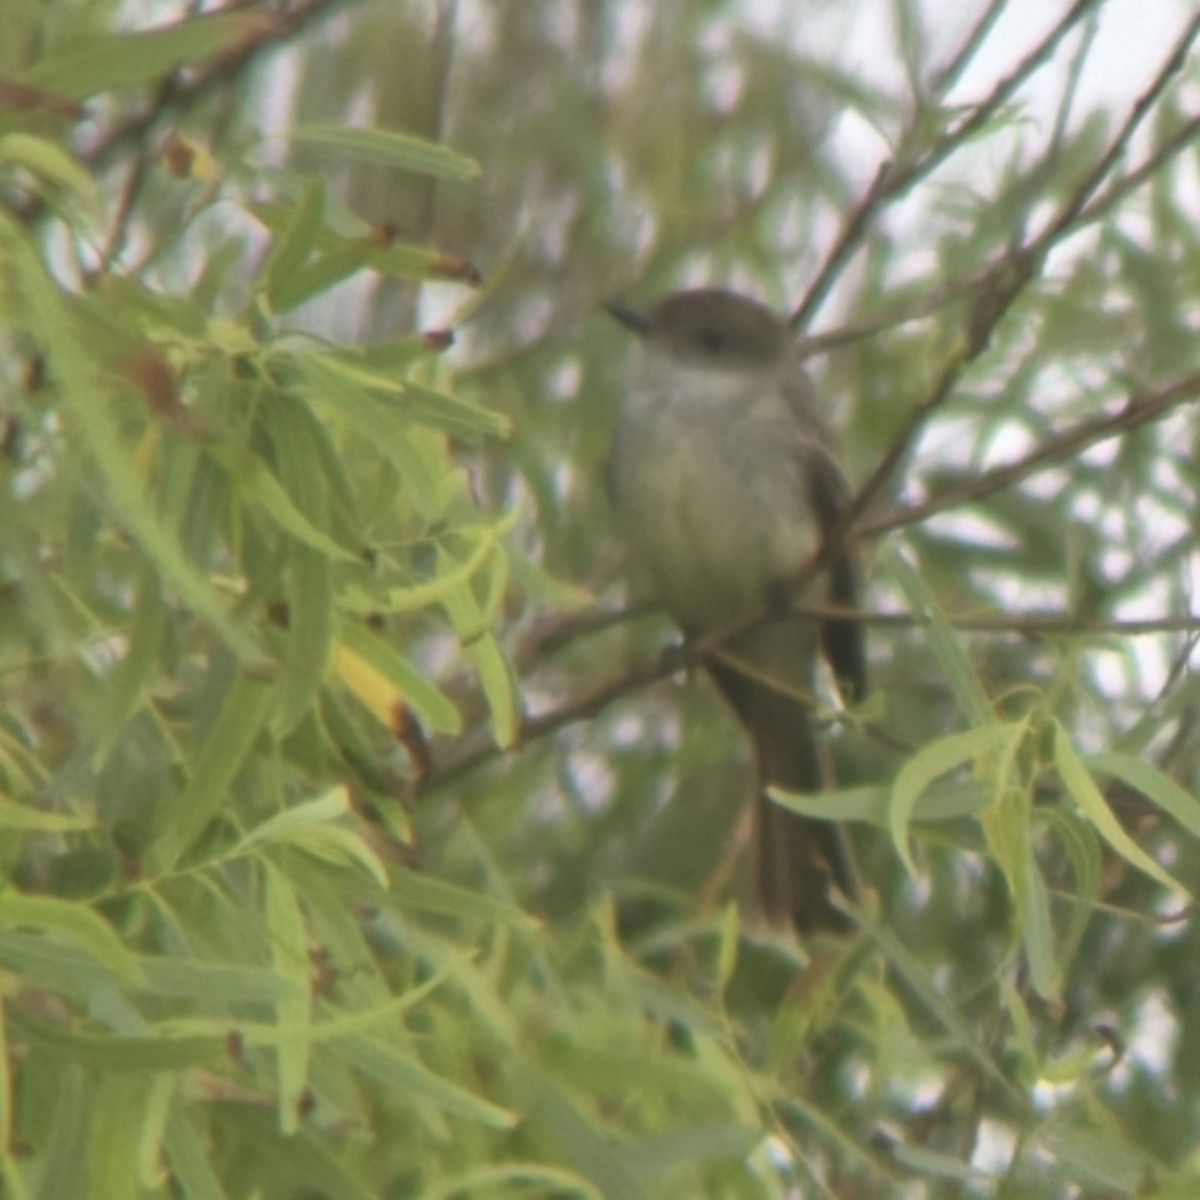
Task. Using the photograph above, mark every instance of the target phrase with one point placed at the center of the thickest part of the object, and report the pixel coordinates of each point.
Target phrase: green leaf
(483, 649)
(189, 1158)
(872, 804)
(1083, 849)
(24, 819)
(136, 672)
(944, 641)
(118, 1108)
(440, 410)
(1045, 970)
(1086, 794)
(916, 976)
(260, 487)
(292, 249)
(74, 921)
(938, 758)
(333, 391)
(330, 806)
(296, 438)
(160, 1051)
(1156, 786)
(1099, 1158)
(289, 947)
(86, 403)
(408, 1077)
(217, 763)
(414, 688)
(389, 149)
(216, 986)
(52, 164)
(425, 893)
(103, 61)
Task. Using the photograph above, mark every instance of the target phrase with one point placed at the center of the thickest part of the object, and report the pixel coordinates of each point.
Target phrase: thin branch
(1064, 223)
(1137, 411)
(894, 181)
(950, 74)
(1180, 140)
(1009, 279)
(983, 112)
(1033, 624)
(847, 243)
(279, 26)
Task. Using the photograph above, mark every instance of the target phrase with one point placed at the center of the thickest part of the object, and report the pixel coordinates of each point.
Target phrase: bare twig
(280, 24)
(950, 74)
(1137, 411)
(847, 243)
(892, 181)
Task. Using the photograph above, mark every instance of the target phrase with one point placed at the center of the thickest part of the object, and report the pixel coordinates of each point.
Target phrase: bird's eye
(713, 340)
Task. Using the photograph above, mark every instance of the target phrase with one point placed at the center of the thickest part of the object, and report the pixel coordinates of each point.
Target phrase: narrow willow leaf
(1156, 786)
(440, 410)
(1037, 931)
(159, 1051)
(727, 946)
(1099, 1158)
(214, 986)
(389, 149)
(189, 1158)
(105, 61)
(136, 672)
(872, 804)
(330, 806)
(118, 1114)
(1083, 849)
(66, 1146)
(51, 163)
(292, 248)
(515, 1177)
(934, 1165)
(944, 641)
(422, 405)
(152, 1165)
(938, 758)
(1087, 795)
(482, 648)
(452, 576)
(289, 947)
(333, 392)
(217, 763)
(343, 847)
(409, 1077)
(382, 679)
(21, 818)
(296, 439)
(426, 893)
(259, 486)
(916, 975)
(580, 1141)
(332, 1029)
(85, 400)
(74, 921)
(322, 273)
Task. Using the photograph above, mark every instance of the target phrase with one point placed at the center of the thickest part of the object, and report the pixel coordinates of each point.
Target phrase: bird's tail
(798, 861)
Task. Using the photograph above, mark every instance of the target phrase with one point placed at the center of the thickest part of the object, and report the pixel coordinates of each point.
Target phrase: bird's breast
(709, 496)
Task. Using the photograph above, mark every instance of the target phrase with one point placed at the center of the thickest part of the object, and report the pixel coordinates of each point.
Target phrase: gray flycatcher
(724, 483)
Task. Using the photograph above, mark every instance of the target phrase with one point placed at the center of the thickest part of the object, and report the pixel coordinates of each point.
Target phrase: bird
(724, 482)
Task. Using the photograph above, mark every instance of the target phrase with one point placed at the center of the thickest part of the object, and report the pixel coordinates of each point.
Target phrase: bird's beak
(633, 320)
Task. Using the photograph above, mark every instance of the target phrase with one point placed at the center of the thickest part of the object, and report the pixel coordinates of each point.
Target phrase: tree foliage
(359, 840)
